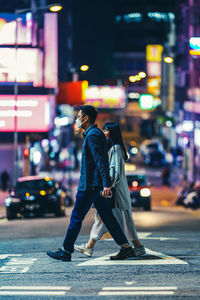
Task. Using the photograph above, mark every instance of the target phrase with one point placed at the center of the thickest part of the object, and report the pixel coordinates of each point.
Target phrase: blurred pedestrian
(166, 176)
(94, 178)
(5, 178)
(121, 196)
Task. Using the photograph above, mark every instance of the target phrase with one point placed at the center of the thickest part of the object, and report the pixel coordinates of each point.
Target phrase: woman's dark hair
(89, 111)
(115, 136)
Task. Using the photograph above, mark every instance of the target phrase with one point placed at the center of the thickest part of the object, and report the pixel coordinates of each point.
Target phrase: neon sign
(194, 44)
(105, 96)
(34, 113)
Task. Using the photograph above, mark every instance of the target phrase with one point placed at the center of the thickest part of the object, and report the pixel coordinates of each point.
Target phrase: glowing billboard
(25, 66)
(154, 53)
(8, 29)
(105, 96)
(33, 113)
(194, 44)
(146, 101)
(35, 61)
(71, 92)
(154, 85)
(154, 58)
(154, 69)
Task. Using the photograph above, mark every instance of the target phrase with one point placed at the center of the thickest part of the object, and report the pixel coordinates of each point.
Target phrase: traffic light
(26, 152)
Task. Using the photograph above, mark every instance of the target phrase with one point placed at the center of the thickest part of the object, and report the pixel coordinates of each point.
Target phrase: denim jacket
(94, 162)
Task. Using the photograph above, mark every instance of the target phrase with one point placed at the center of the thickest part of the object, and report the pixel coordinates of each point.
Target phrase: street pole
(191, 173)
(15, 101)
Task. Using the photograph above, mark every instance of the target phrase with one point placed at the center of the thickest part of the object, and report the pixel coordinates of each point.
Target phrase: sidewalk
(3, 196)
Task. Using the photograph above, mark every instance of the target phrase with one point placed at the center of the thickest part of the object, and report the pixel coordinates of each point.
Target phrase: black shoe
(123, 254)
(60, 255)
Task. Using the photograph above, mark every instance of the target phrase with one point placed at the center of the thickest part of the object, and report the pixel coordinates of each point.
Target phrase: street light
(168, 59)
(84, 68)
(54, 8)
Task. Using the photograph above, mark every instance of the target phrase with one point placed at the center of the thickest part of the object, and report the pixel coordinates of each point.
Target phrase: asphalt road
(170, 269)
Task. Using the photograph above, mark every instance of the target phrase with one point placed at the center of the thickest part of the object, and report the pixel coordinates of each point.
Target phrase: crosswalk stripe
(32, 293)
(59, 288)
(134, 293)
(139, 288)
(158, 259)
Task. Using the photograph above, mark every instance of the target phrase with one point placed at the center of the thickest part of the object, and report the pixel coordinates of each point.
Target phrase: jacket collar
(88, 129)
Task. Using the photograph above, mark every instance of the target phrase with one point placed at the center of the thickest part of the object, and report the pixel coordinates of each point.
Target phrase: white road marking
(139, 288)
(134, 293)
(34, 290)
(16, 264)
(32, 293)
(129, 282)
(144, 260)
(4, 256)
(37, 288)
(148, 290)
(147, 236)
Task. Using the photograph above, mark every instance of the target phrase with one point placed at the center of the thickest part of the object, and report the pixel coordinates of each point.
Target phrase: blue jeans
(82, 205)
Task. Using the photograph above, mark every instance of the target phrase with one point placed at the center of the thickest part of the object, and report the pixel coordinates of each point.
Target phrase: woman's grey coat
(121, 192)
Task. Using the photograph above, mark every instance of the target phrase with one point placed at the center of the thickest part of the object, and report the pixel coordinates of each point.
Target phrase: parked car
(139, 191)
(156, 158)
(35, 196)
(149, 146)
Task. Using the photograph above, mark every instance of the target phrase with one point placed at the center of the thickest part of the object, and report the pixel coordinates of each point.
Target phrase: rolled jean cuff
(125, 245)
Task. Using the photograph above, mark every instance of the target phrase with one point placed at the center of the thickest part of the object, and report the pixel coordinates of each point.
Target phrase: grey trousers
(125, 220)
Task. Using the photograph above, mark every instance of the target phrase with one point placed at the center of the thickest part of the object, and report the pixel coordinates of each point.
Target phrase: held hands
(107, 192)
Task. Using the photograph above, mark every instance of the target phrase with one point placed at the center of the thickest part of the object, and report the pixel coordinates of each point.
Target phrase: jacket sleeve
(115, 166)
(100, 157)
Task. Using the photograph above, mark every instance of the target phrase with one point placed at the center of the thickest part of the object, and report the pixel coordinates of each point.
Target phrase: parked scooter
(189, 195)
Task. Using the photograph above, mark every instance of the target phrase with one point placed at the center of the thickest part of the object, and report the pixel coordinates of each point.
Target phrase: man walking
(94, 178)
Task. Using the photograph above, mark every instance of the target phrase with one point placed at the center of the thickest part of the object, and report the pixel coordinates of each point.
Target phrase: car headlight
(145, 192)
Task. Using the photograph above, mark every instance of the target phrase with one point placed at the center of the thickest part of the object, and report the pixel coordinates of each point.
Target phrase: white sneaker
(139, 251)
(84, 249)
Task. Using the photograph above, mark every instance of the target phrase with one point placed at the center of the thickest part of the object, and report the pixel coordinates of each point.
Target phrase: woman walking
(121, 196)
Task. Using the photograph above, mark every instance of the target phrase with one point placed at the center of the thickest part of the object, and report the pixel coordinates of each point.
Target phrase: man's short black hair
(89, 111)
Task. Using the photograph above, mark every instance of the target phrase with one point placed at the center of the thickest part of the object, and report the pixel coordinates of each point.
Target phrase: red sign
(71, 92)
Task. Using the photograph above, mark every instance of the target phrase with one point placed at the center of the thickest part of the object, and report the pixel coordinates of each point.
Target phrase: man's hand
(107, 192)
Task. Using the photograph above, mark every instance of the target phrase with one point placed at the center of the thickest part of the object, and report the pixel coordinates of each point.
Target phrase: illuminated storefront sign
(197, 137)
(154, 58)
(34, 113)
(192, 106)
(30, 65)
(154, 69)
(194, 44)
(25, 67)
(154, 85)
(146, 101)
(154, 53)
(8, 29)
(105, 96)
(71, 92)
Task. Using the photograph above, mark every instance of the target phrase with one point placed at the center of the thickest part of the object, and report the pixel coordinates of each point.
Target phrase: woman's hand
(107, 192)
